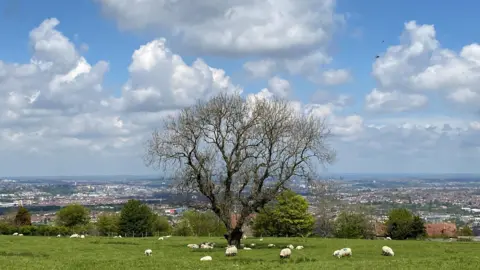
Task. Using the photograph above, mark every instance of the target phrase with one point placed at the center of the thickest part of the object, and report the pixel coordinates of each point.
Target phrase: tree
(23, 217)
(287, 216)
(204, 223)
(465, 231)
(239, 153)
(108, 223)
(350, 224)
(73, 215)
(402, 224)
(160, 224)
(136, 218)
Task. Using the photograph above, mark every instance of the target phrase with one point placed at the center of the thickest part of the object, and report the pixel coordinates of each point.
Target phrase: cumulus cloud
(421, 66)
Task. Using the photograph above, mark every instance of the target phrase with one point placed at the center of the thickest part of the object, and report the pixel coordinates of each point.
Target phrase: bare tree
(239, 153)
(324, 201)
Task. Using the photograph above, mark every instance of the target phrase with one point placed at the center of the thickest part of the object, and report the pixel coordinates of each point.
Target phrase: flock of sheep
(284, 253)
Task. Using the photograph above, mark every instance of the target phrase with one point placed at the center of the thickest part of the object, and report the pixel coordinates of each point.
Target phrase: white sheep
(231, 251)
(290, 246)
(387, 251)
(74, 235)
(252, 244)
(194, 246)
(206, 246)
(206, 258)
(148, 252)
(168, 236)
(244, 236)
(160, 238)
(271, 245)
(285, 253)
(388, 238)
(299, 247)
(247, 248)
(82, 236)
(119, 236)
(59, 235)
(261, 239)
(115, 236)
(20, 234)
(15, 234)
(344, 252)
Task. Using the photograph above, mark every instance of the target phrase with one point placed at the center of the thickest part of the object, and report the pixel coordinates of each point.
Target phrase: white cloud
(394, 101)
(334, 77)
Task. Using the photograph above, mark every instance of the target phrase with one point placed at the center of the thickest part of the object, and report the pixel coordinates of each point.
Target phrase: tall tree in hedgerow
(402, 224)
(136, 219)
(240, 153)
(23, 217)
(73, 215)
(286, 216)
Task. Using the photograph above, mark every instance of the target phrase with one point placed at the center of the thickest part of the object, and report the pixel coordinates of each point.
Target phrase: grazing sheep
(387, 251)
(20, 234)
(148, 252)
(119, 236)
(231, 251)
(59, 235)
(344, 252)
(82, 236)
(115, 236)
(271, 245)
(160, 238)
(285, 253)
(244, 236)
(261, 239)
(206, 258)
(247, 248)
(252, 244)
(15, 234)
(388, 238)
(299, 247)
(194, 246)
(168, 236)
(290, 246)
(206, 246)
(74, 235)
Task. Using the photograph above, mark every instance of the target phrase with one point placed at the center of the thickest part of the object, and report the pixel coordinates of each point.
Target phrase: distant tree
(73, 215)
(286, 216)
(204, 223)
(183, 228)
(465, 231)
(353, 225)
(402, 224)
(23, 217)
(108, 224)
(160, 224)
(136, 218)
(239, 153)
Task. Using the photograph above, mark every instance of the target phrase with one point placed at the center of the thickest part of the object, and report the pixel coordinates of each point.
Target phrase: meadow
(92, 253)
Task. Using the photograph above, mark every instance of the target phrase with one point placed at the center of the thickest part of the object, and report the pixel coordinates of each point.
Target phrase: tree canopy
(136, 218)
(402, 224)
(107, 224)
(23, 217)
(349, 224)
(286, 216)
(239, 153)
(73, 215)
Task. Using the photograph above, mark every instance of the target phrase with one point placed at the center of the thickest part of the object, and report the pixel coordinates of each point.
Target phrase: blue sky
(414, 109)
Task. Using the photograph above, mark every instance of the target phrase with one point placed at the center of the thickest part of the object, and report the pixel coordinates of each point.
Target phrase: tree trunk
(235, 237)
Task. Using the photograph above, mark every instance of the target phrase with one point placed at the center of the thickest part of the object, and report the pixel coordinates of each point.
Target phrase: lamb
(206, 258)
(119, 236)
(285, 253)
(160, 238)
(148, 252)
(231, 251)
(15, 234)
(59, 235)
(74, 235)
(344, 252)
(20, 234)
(271, 245)
(299, 247)
(387, 251)
(290, 246)
(247, 248)
(388, 238)
(82, 236)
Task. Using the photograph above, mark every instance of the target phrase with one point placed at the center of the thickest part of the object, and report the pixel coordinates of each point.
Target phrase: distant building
(441, 229)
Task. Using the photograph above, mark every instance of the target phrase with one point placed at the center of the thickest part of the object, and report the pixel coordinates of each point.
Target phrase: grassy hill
(108, 253)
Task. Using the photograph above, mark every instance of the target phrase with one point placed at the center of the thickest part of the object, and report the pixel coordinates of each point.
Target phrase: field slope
(95, 253)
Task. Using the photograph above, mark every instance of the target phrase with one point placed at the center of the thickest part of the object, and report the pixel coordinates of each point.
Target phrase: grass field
(95, 253)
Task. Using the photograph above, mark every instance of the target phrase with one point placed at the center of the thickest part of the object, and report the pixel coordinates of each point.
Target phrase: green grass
(95, 253)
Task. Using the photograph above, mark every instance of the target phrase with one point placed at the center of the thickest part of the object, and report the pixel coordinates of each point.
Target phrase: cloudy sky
(82, 83)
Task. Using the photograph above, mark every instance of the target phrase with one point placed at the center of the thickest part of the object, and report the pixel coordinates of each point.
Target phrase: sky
(83, 83)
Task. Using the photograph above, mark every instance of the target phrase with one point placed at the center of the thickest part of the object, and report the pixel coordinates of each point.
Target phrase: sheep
(59, 235)
(388, 238)
(206, 246)
(247, 248)
(168, 236)
(194, 246)
(206, 258)
(271, 245)
(160, 238)
(244, 236)
(285, 253)
(252, 244)
(290, 246)
(343, 252)
(15, 234)
(148, 252)
(387, 251)
(74, 235)
(115, 236)
(299, 247)
(20, 234)
(231, 251)
(82, 236)
(119, 236)
(261, 239)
